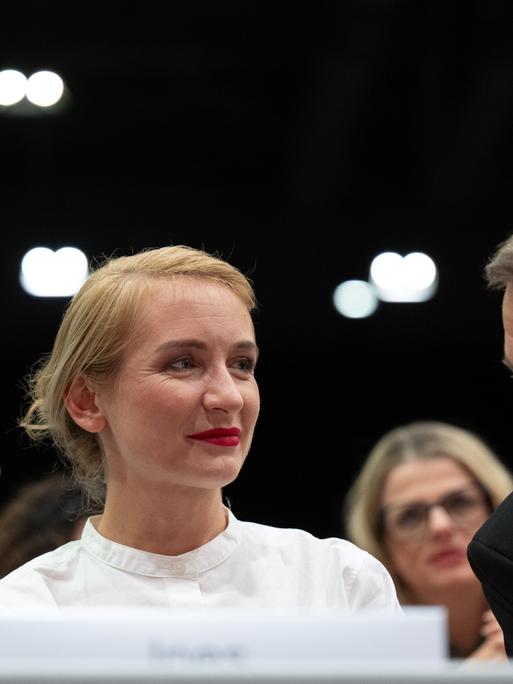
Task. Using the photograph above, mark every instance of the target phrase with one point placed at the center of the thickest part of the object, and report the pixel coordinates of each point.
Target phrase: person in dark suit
(490, 551)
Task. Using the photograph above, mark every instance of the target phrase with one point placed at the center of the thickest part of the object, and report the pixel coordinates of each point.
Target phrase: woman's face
(432, 558)
(189, 370)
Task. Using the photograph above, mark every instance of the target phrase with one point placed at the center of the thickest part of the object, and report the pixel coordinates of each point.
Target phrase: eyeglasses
(409, 521)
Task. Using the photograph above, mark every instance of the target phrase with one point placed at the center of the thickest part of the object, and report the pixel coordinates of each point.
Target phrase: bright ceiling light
(44, 88)
(45, 273)
(12, 86)
(355, 299)
(420, 270)
(412, 278)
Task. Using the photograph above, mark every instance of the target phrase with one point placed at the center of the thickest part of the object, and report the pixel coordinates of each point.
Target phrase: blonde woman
(424, 490)
(151, 393)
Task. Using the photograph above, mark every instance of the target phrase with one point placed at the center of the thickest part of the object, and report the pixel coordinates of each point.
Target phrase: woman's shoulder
(28, 584)
(329, 561)
(303, 540)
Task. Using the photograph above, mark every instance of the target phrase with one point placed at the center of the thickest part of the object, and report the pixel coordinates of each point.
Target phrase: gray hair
(499, 269)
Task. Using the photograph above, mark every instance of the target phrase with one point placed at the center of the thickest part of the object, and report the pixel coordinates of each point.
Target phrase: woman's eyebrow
(188, 343)
(181, 344)
(247, 345)
(423, 502)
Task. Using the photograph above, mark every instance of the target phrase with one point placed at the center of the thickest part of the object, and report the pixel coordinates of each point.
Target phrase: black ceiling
(298, 141)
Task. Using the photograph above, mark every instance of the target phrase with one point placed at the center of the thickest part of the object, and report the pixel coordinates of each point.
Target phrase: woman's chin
(455, 578)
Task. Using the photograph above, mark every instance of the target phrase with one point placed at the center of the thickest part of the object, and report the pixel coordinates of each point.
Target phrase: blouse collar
(187, 565)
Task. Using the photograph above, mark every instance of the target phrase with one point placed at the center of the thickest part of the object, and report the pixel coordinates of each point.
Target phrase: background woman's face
(190, 369)
(437, 560)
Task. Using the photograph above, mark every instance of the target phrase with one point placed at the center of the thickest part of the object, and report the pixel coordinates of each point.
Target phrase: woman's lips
(219, 436)
(448, 558)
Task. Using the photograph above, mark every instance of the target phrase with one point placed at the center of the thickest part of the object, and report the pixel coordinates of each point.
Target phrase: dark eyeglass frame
(381, 521)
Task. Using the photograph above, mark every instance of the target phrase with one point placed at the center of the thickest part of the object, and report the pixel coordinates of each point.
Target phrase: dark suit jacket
(490, 554)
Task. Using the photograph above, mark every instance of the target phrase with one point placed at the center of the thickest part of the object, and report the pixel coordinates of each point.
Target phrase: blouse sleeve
(373, 587)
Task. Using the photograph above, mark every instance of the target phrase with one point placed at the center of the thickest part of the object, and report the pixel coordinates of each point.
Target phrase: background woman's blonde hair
(413, 442)
(97, 327)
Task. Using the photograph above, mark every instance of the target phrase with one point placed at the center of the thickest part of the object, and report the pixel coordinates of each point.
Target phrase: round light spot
(44, 88)
(12, 86)
(355, 299)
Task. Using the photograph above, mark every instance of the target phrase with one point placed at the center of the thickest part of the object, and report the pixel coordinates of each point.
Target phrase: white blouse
(247, 565)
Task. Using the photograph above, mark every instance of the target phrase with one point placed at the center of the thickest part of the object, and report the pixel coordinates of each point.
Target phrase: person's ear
(80, 401)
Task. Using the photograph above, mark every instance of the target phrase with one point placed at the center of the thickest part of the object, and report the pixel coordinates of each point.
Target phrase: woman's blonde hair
(412, 442)
(97, 327)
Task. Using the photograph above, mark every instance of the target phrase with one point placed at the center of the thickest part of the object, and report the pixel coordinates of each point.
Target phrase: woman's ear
(80, 401)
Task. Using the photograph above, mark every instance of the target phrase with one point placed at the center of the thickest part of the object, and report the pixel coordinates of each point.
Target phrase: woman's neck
(465, 607)
(165, 522)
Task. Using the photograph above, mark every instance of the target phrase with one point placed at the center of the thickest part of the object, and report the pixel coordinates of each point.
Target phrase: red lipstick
(448, 558)
(219, 436)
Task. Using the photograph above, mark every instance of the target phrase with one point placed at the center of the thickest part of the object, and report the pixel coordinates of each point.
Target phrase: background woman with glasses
(424, 490)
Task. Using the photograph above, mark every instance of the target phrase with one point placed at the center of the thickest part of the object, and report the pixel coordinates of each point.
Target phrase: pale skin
(507, 322)
(189, 369)
(431, 578)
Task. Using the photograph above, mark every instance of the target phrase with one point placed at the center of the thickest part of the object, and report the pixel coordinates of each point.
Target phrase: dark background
(298, 141)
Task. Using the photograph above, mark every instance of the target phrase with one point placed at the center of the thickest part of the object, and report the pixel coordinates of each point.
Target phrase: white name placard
(222, 636)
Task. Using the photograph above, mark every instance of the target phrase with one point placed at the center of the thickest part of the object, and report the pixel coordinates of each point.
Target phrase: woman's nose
(222, 393)
(439, 520)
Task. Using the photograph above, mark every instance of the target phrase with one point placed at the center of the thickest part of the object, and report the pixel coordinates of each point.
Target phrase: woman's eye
(461, 502)
(181, 364)
(246, 365)
(410, 517)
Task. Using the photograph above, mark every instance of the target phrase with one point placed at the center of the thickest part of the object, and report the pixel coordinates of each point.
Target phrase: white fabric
(247, 565)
